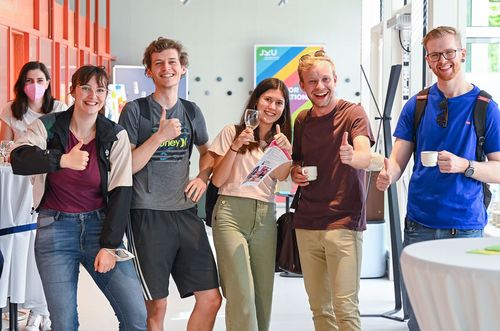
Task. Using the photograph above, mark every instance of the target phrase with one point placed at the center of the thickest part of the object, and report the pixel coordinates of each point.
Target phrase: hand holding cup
(311, 172)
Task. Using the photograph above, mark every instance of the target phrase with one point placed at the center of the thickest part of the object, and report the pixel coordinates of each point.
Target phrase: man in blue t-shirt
(444, 201)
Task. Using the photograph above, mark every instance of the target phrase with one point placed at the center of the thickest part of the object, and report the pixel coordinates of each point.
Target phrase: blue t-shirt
(441, 200)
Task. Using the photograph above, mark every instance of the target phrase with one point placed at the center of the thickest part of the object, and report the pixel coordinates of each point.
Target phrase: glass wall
(483, 59)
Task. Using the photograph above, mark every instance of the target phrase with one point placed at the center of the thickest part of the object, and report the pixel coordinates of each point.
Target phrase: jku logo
(270, 52)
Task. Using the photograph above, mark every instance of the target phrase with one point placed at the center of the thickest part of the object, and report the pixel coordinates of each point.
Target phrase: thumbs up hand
(75, 159)
(168, 129)
(346, 150)
(384, 178)
(282, 140)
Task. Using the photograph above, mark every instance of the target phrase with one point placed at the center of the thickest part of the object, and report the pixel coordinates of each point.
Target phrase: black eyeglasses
(442, 118)
(449, 54)
(318, 53)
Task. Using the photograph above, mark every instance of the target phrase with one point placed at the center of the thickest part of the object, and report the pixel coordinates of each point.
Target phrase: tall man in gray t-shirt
(166, 234)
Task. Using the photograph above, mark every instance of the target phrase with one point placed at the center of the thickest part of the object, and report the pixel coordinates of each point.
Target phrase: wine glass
(252, 118)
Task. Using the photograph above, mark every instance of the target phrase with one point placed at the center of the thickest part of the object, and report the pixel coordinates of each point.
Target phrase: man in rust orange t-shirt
(335, 136)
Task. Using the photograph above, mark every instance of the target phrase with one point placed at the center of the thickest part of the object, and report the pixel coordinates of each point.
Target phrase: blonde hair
(307, 61)
(442, 31)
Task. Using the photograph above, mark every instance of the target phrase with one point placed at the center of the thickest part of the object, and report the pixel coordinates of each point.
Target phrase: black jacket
(40, 151)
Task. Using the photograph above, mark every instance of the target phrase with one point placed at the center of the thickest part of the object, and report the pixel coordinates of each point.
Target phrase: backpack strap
(296, 197)
(191, 115)
(421, 103)
(480, 108)
(483, 99)
(301, 134)
(145, 124)
(145, 129)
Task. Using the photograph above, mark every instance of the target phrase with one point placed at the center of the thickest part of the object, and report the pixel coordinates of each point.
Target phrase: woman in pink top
(244, 224)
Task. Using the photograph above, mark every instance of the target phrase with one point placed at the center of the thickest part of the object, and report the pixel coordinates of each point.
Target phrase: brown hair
(85, 73)
(440, 32)
(161, 44)
(307, 61)
(284, 121)
(20, 104)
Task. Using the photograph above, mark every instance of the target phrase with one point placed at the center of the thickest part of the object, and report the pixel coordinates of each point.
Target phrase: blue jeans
(65, 240)
(414, 233)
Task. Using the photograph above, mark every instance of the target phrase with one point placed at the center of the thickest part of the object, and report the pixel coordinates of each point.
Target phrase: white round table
(451, 289)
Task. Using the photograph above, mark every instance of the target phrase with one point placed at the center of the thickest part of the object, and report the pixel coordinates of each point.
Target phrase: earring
(463, 60)
(430, 66)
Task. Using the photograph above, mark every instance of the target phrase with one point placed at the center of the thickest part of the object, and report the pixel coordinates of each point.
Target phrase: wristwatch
(470, 170)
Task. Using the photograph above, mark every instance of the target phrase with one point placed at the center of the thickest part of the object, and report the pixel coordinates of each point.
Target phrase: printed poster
(272, 159)
(281, 61)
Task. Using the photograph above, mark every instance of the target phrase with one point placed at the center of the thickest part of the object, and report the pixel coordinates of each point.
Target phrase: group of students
(97, 180)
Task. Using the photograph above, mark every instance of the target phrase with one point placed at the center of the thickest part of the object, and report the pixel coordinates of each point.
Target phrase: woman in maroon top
(84, 209)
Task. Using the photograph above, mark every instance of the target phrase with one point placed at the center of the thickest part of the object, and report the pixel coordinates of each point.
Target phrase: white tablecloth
(20, 279)
(451, 290)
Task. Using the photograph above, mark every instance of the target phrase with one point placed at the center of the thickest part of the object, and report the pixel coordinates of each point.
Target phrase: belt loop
(453, 232)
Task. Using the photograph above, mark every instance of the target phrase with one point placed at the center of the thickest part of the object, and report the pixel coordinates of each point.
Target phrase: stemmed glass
(252, 118)
(4, 150)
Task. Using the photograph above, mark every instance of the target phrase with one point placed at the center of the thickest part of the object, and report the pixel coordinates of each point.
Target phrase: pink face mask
(34, 91)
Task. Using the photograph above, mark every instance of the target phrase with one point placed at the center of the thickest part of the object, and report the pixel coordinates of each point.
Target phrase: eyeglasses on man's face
(448, 54)
(100, 91)
(318, 53)
(442, 118)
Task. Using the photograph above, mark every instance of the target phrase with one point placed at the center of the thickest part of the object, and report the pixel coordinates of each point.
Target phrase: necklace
(85, 138)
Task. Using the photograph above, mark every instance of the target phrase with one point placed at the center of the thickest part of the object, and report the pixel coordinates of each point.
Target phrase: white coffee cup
(311, 172)
(429, 158)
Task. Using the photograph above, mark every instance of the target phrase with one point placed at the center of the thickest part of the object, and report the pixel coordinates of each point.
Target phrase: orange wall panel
(46, 54)
(71, 28)
(34, 49)
(92, 38)
(4, 64)
(81, 32)
(72, 63)
(58, 21)
(44, 19)
(59, 38)
(19, 10)
(102, 41)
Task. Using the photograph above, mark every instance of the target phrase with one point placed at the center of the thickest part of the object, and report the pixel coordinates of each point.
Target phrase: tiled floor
(290, 307)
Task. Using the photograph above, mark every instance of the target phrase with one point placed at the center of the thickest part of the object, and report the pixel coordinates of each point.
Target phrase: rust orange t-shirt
(336, 199)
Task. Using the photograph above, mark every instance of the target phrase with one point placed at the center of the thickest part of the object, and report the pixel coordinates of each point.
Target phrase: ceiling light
(282, 3)
(185, 2)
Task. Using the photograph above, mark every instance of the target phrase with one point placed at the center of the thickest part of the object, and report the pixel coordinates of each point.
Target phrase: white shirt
(20, 127)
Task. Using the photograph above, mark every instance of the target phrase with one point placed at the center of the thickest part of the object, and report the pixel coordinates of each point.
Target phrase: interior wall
(220, 35)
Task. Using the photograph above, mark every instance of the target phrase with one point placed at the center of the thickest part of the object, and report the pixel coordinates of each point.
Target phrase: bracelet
(234, 150)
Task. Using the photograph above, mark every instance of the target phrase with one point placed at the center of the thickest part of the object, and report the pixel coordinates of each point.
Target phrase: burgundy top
(73, 191)
(336, 199)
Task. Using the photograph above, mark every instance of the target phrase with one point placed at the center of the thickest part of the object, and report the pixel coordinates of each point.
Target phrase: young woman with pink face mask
(33, 99)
